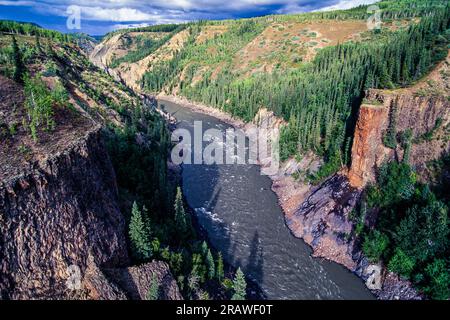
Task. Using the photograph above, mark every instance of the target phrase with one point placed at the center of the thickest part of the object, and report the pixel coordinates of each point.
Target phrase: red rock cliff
(420, 114)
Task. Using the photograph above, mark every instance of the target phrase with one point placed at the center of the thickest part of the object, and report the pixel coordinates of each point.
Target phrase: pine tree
(219, 267)
(139, 241)
(180, 214)
(204, 249)
(210, 265)
(19, 68)
(153, 291)
(239, 286)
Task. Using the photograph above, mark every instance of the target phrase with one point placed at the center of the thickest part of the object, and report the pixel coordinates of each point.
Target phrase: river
(241, 214)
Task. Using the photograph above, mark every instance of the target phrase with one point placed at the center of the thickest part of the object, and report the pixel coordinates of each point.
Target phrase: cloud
(109, 14)
(347, 4)
(117, 15)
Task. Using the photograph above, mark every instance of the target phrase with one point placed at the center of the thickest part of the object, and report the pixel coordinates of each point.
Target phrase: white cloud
(347, 4)
(116, 15)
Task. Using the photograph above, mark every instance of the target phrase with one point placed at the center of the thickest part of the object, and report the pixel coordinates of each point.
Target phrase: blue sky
(99, 17)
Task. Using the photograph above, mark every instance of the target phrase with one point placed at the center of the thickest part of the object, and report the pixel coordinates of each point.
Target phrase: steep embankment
(62, 234)
(423, 109)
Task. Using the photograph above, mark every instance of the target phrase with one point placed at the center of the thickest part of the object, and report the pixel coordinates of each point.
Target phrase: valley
(358, 208)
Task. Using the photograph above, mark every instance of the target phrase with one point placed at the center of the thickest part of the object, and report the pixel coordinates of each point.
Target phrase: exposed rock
(55, 216)
(367, 149)
(322, 221)
(394, 288)
(136, 281)
(417, 109)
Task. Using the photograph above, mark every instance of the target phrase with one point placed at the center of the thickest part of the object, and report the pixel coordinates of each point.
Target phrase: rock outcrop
(424, 110)
(136, 281)
(367, 149)
(62, 235)
(323, 222)
(55, 216)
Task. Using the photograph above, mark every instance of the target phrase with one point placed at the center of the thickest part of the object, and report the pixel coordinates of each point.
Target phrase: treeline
(154, 28)
(32, 29)
(390, 10)
(319, 100)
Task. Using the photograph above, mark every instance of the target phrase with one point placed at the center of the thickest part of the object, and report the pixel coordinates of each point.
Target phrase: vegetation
(139, 235)
(153, 291)
(146, 48)
(412, 231)
(40, 104)
(239, 286)
(31, 29)
(19, 68)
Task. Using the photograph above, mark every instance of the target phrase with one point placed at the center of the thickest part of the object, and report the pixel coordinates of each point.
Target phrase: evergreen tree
(219, 267)
(140, 244)
(180, 214)
(153, 291)
(239, 286)
(19, 68)
(204, 249)
(210, 265)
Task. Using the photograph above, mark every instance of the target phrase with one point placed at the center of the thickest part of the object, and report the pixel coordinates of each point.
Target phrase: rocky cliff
(423, 109)
(62, 234)
(54, 215)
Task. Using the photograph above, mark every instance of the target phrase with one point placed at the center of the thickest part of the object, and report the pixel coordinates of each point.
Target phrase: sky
(97, 17)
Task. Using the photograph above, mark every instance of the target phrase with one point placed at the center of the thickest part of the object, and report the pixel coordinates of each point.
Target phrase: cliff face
(418, 114)
(423, 109)
(366, 145)
(55, 216)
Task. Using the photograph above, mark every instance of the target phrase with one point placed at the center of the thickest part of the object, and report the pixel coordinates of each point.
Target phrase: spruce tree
(219, 267)
(139, 241)
(180, 214)
(210, 265)
(19, 68)
(239, 286)
(204, 249)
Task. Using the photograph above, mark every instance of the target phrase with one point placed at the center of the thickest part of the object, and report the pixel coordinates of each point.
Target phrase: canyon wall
(419, 114)
(55, 216)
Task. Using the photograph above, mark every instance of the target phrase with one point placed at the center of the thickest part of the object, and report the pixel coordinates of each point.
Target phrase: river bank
(293, 195)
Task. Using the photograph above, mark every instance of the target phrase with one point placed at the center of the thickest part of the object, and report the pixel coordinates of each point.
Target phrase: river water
(241, 214)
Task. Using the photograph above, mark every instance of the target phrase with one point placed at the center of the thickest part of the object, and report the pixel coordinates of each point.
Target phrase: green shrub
(438, 279)
(375, 245)
(401, 264)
